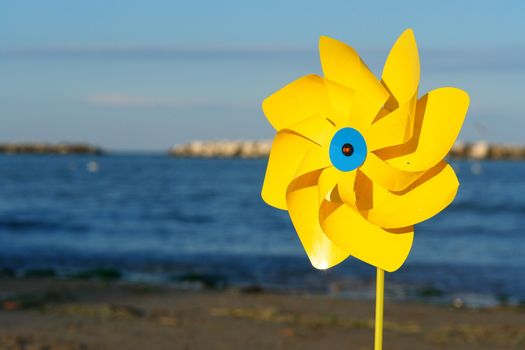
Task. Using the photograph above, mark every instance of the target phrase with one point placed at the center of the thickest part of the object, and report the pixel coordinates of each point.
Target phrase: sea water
(158, 217)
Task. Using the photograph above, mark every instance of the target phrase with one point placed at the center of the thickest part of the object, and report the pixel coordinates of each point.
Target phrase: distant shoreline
(248, 149)
(48, 148)
(260, 149)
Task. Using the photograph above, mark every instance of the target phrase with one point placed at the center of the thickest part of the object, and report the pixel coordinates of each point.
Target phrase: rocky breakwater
(46, 148)
(223, 149)
(259, 149)
(484, 150)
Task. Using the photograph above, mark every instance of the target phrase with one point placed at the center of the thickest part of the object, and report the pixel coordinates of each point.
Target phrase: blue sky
(144, 75)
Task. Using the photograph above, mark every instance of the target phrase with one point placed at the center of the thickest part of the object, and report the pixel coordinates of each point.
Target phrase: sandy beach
(49, 313)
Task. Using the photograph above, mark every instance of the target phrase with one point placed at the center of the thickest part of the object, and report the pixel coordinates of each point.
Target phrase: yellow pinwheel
(358, 161)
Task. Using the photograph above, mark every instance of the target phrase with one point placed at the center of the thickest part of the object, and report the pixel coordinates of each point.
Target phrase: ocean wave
(483, 207)
(17, 224)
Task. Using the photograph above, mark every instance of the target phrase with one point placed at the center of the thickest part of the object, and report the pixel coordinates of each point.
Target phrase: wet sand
(42, 313)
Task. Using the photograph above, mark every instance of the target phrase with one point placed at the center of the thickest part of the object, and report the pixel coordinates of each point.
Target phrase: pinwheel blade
(426, 197)
(340, 98)
(327, 181)
(401, 71)
(345, 188)
(317, 129)
(438, 120)
(386, 175)
(287, 154)
(299, 100)
(394, 128)
(341, 64)
(315, 159)
(372, 244)
(303, 207)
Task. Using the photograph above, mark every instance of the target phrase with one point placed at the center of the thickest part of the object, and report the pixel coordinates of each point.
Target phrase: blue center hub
(347, 149)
